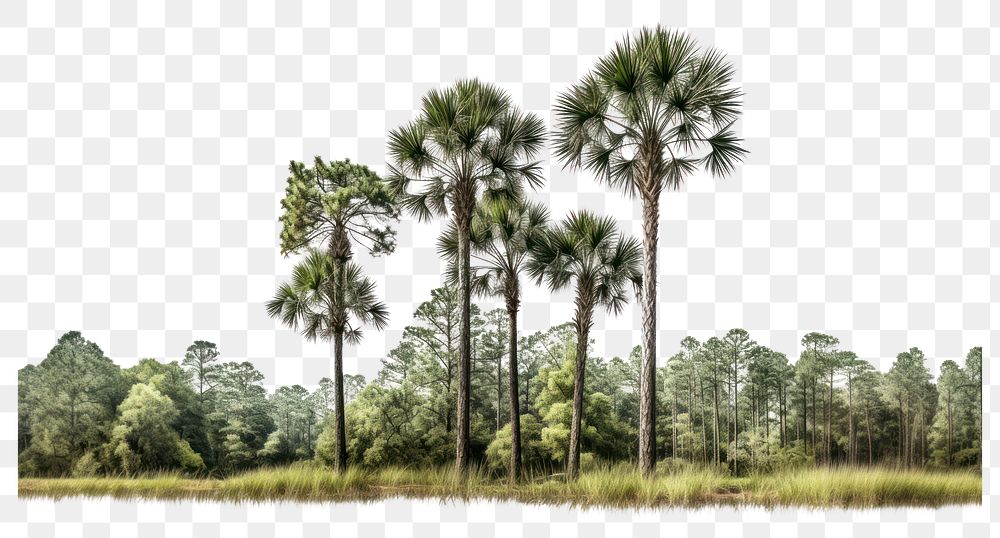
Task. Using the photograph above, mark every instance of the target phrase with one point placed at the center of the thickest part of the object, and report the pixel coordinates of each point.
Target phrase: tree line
(727, 402)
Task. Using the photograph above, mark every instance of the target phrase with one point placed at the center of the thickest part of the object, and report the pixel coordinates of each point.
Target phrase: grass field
(619, 486)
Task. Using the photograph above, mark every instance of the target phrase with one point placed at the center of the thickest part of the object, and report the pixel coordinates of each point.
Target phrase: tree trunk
(515, 404)
(463, 217)
(584, 319)
(850, 421)
(704, 429)
(647, 375)
(339, 415)
(829, 423)
(499, 416)
(715, 425)
(736, 414)
(767, 424)
(805, 418)
(902, 435)
(673, 424)
(868, 427)
(781, 415)
(949, 427)
(340, 252)
(814, 415)
(691, 411)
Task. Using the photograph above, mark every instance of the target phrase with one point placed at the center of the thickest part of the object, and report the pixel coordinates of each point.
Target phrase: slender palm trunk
(515, 408)
(340, 250)
(584, 319)
(463, 217)
(647, 375)
(339, 415)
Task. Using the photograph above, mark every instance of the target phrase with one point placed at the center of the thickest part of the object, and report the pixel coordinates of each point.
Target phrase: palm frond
(725, 152)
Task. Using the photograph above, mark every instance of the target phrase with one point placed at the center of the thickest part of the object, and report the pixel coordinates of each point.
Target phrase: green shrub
(87, 465)
(188, 459)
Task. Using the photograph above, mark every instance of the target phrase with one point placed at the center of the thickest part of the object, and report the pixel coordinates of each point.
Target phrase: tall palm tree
(590, 252)
(334, 205)
(468, 142)
(502, 234)
(326, 302)
(653, 110)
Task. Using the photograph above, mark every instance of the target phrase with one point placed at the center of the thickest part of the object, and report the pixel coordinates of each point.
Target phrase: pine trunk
(949, 427)
(704, 429)
(673, 425)
(805, 418)
(814, 415)
(690, 411)
(715, 426)
(850, 422)
(868, 428)
(829, 423)
(736, 415)
(781, 415)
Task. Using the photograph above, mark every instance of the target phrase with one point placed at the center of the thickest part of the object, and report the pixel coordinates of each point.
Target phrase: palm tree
(502, 234)
(468, 142)
(322, 300)
(590, 252)
(334, 205)
(652, 112)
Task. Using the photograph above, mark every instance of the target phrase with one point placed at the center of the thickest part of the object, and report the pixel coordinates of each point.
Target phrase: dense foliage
(728, 403)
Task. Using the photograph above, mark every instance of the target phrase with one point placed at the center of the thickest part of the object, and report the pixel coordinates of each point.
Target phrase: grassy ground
(619, 486)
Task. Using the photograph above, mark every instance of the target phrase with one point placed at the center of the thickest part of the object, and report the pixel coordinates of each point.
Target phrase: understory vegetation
(618, 486)
(728, 404)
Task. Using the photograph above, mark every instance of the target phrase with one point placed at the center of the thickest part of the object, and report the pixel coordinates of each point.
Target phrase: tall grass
(868, 487)
(610, 486)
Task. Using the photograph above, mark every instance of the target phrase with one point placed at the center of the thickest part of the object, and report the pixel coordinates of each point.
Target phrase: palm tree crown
(589, 250)
(502, 234)
(467, 140)
(305, 302)
(652, 111)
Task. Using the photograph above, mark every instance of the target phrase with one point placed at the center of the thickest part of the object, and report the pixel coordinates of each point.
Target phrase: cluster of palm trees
(653, 111)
